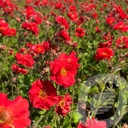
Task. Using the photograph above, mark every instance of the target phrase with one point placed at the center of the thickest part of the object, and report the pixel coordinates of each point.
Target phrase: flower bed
(63, 64)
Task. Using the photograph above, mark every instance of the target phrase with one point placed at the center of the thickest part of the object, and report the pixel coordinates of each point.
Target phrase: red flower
(5, 30)
(80, 20)
(23, 50)
(105, 44)
(31, 26)
(9, 32)
(122, 14)
(7, 6)
(64, 35)
(58, 5)
(25, 59)
(64, 69)
(37, 48)
(110, 20)
(63, 104)
(104, 53)
(72, 8)
(88, 7)
(62, 21)
(12, 114)
(3, 25)
(107, 36)
(23, 71)
(34, 16)
(95, 15)
(29, 11)
(43, 94)
(46, 45)
(92, 123)
(80, 32)
(17, 69)
(97, 29)
(122, 42)
(73, 15)
(29, 1)
(120, 26)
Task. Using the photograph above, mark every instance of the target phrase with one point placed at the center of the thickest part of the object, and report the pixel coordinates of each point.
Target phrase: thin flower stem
(118, 120)
(36, 124)
(97, 106)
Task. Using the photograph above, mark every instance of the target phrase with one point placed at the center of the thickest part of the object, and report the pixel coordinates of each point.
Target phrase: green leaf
(76, 117)
(67, 123)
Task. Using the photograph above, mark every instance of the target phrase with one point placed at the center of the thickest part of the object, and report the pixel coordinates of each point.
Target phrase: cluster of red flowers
(117, 18)
(7, 6)
(32, 15)
(31, 26)
(122, 42)
(64, 69)
(43, 95)
(73, 15)
(36, 48)
(5, 30)
(18, 69)
(23, 59)
(12, 115)
(33, 20)
(104, 50)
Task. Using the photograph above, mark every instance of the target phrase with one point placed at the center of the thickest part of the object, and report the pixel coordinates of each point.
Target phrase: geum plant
(49, 50)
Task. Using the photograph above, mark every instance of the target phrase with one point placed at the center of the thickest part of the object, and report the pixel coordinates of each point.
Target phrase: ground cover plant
(63, 64)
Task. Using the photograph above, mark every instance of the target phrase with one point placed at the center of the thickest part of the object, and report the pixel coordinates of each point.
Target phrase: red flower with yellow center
(73, 15)
(104, 53)
(64, 69)
(63, 104)
(119, 26)
(63, 72)
(80, 32)
(42, 94)
(5, 116)
(110, 20)
(11, 112)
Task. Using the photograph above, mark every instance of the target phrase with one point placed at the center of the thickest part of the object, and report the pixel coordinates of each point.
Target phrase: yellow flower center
(63, 72)
(121, 26)
(43, 94)
(39, 49)
(5, 116)
(61, 103)
(72, 16)
(104, 53)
